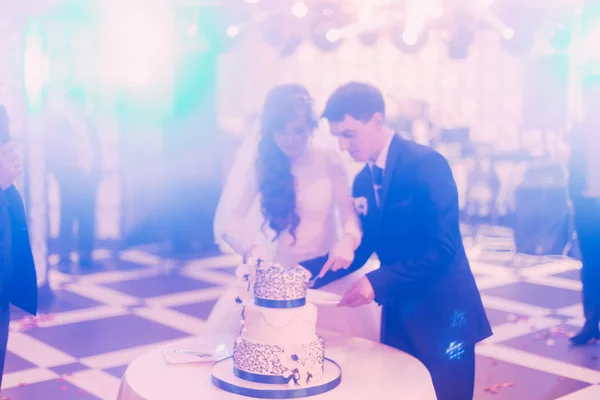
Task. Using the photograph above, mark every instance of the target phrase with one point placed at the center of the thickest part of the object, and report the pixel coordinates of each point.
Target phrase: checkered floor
(100, 322)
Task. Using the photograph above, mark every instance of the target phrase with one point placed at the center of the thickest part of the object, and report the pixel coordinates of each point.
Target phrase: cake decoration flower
(295, 360)
(246, 272)
(242, 293)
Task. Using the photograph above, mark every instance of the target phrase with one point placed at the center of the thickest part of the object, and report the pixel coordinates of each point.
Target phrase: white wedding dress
(323, 198)
(326, 211)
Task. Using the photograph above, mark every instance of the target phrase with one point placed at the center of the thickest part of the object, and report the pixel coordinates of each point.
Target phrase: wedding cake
(278, 343)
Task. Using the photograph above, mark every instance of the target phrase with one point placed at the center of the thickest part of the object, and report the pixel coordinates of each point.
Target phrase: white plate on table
(206, 349)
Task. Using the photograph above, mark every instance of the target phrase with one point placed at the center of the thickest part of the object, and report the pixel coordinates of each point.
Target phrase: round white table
(369, 371)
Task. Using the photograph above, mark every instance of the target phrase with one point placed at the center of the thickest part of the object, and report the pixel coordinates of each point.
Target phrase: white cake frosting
(278, 340)
(272, 325)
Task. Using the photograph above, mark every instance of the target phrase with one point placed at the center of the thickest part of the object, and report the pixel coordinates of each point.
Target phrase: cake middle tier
(270, 325)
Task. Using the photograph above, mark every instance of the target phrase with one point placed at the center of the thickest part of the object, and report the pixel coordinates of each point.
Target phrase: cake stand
(224, 378)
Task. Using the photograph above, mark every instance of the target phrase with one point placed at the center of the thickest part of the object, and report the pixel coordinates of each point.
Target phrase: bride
(284, 193)
(286, 200)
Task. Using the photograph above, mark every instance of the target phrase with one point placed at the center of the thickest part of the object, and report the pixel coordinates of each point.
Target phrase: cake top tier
(277, 286)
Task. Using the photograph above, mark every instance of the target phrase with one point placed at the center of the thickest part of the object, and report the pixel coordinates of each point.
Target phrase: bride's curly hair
(276, 183)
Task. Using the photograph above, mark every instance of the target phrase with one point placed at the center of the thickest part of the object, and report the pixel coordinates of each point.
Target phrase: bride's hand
(340, 256)
(258, 252)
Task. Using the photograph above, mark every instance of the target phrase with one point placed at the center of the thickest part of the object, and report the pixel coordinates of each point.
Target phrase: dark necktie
(377, 175)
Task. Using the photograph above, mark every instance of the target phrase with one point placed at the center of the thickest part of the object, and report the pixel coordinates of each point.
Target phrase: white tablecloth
(363, 322)
(369, 371)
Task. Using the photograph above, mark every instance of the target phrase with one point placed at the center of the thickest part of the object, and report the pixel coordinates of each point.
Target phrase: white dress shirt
(323, 201)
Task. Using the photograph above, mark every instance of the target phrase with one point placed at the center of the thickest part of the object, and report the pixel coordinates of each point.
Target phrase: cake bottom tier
(298, 363)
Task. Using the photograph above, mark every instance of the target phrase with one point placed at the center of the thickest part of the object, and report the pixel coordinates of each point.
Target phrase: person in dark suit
(18, 281)
(584, 192)
(408, 204)
(73, 149)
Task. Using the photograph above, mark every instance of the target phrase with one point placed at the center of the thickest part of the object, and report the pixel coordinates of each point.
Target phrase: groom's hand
(359, 294)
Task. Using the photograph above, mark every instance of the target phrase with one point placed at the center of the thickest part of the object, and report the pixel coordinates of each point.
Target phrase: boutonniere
(361, 205)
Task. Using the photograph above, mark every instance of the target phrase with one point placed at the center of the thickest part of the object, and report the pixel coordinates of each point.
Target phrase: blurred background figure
(193, 185)
(584, 188)
(18, 284)
(73, 153)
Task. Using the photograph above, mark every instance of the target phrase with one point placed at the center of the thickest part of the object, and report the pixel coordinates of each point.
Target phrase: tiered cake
(278, 343)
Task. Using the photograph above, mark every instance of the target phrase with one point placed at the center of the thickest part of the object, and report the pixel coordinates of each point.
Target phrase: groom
(408, 204)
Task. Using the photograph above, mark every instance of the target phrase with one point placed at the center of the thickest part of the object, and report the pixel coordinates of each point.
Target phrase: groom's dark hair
(356, 99)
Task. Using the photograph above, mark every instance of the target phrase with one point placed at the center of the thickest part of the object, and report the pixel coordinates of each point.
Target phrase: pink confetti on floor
(28, 322)
(496, 388)
(553, 333)
(492, 389)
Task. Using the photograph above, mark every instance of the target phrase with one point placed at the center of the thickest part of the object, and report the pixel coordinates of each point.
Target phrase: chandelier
(285, 24)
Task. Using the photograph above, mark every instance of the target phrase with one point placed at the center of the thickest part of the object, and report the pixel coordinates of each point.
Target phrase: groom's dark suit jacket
(431, 304)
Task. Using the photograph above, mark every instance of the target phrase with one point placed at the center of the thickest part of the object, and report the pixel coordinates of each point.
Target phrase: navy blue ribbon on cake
(270, 379)
(294, 393)
(289, 393)
(267, 303)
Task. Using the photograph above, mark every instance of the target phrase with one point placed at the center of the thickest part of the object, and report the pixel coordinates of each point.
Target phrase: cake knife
(311, 283)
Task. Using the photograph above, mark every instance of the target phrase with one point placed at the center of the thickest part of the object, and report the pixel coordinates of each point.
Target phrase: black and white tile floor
(79, 349)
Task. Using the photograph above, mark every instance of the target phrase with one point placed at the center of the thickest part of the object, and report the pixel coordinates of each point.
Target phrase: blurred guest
(74, 159)
(422, 127)
(584, 189)
(18, 282)
(180, 147)
(193, 155)
(482, 193)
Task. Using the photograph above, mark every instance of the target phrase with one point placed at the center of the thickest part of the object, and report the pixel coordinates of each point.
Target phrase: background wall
(483, 92)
